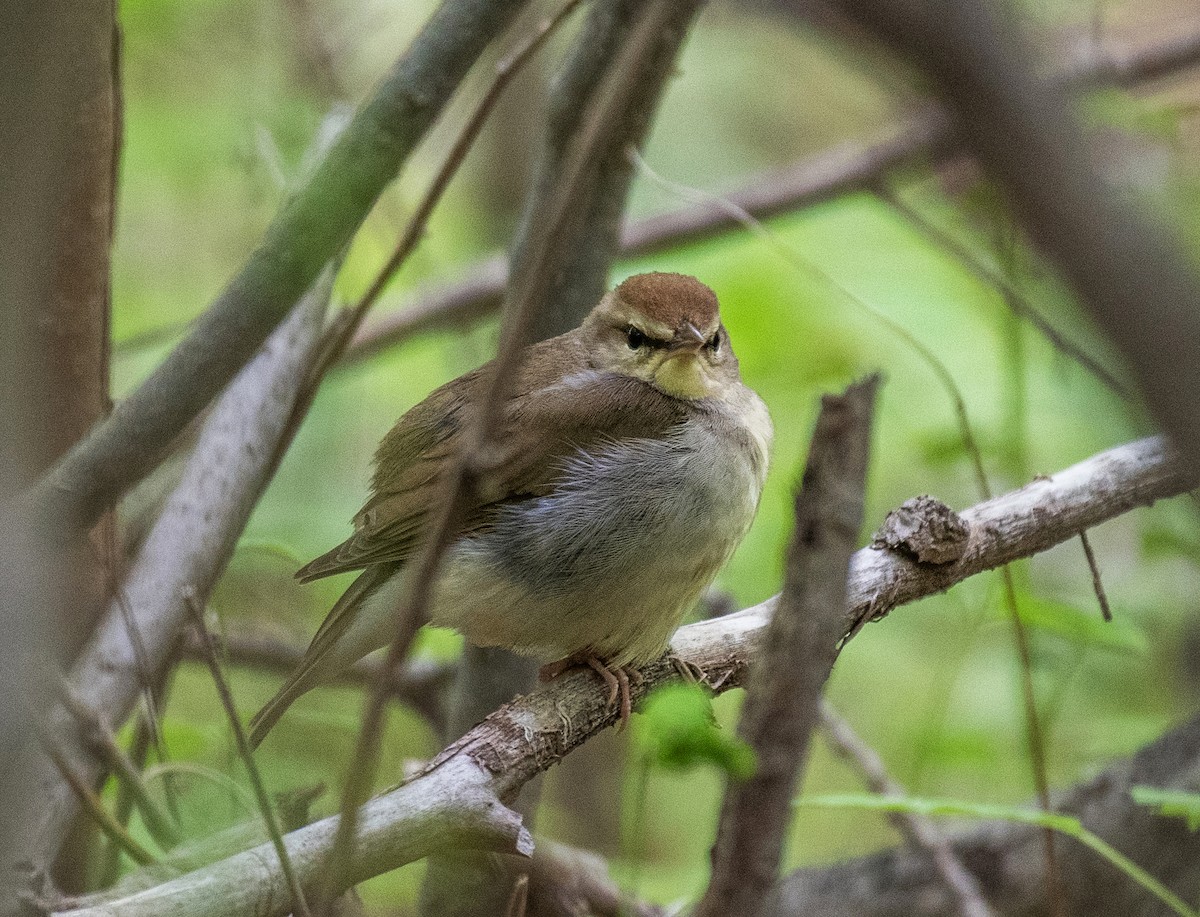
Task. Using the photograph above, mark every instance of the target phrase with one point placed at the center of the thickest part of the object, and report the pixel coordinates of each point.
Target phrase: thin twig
(270, 820)
(162, 828)
(1035, 741)
(518, 900)
(347, 324)
(1013, 297)
(466, 474)
(1097, 582)
(579, 268)
(918, 830)
(421, 683)
(92, 805)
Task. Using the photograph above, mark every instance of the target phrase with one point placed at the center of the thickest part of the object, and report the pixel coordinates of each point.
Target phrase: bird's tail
(328, 654)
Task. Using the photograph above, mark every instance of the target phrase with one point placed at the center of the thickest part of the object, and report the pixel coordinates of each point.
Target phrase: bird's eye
(714, 343)
(635, 338)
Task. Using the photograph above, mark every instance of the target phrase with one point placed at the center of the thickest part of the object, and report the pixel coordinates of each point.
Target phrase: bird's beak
(687, 337)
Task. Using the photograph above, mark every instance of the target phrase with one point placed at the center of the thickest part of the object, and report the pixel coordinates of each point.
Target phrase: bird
(629, 460)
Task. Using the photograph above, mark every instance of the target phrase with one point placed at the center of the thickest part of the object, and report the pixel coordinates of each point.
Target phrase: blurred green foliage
(222, 100)
(677, 731)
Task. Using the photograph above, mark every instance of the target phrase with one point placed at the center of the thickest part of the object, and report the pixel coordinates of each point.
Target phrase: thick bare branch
(187, 549)
(457, 792)
(782, 705)
(312, 229)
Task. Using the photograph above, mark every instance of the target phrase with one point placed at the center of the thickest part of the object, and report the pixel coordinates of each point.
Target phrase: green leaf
(1171, 803)
(677, 731)
(1064, 824)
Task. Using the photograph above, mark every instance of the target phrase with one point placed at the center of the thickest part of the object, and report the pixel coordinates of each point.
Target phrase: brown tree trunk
(69, 329)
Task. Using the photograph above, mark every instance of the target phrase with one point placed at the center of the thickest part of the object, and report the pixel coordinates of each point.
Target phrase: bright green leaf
(677, 731)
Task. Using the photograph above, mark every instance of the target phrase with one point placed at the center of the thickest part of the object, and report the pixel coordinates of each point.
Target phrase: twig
(1034, 739)
(347, 324)
(918, 830)
(454, 799)
(298, 902)
(1013, 297)
(465, 475)
(140, 744)
(162, 828)
(102, 818)
(1130, 271)
(783, 698)
(1097, 582)
(311, 229)
(518, 899)
(576, 272)
(841, 169)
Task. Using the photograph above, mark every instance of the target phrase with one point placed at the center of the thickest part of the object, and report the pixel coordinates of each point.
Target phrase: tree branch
(1130, 271)
(845, 168)
(920, 833)
(782, 706)
(313, 227)
(187, 549)
(453, 799)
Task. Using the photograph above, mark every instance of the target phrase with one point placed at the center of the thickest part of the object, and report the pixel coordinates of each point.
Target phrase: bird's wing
(561, 407)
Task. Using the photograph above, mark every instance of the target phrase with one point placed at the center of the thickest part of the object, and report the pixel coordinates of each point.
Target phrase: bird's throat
(684, 377)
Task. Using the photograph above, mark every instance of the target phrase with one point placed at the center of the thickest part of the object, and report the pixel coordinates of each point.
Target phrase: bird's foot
(616, 678)
(688, 671)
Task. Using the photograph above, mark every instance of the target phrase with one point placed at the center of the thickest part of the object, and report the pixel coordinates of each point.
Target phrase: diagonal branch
(918, 831)
(1130, 270)
(312, 228)
(469, 472)
(576, 275)
(457, 792)
(844, 168)
(187, 549)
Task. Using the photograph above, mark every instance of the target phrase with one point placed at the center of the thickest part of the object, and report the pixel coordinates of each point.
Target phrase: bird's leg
(617, 679)
(551, 670)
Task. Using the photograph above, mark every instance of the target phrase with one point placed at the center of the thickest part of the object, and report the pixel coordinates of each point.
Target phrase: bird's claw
(616, 679)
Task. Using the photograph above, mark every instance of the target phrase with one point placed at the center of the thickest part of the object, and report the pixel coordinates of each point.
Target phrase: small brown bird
(633, 458)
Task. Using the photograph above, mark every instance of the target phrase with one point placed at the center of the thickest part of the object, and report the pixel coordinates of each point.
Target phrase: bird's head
(664, 329)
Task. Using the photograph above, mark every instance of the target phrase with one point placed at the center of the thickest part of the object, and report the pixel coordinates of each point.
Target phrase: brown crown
(671, 299)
